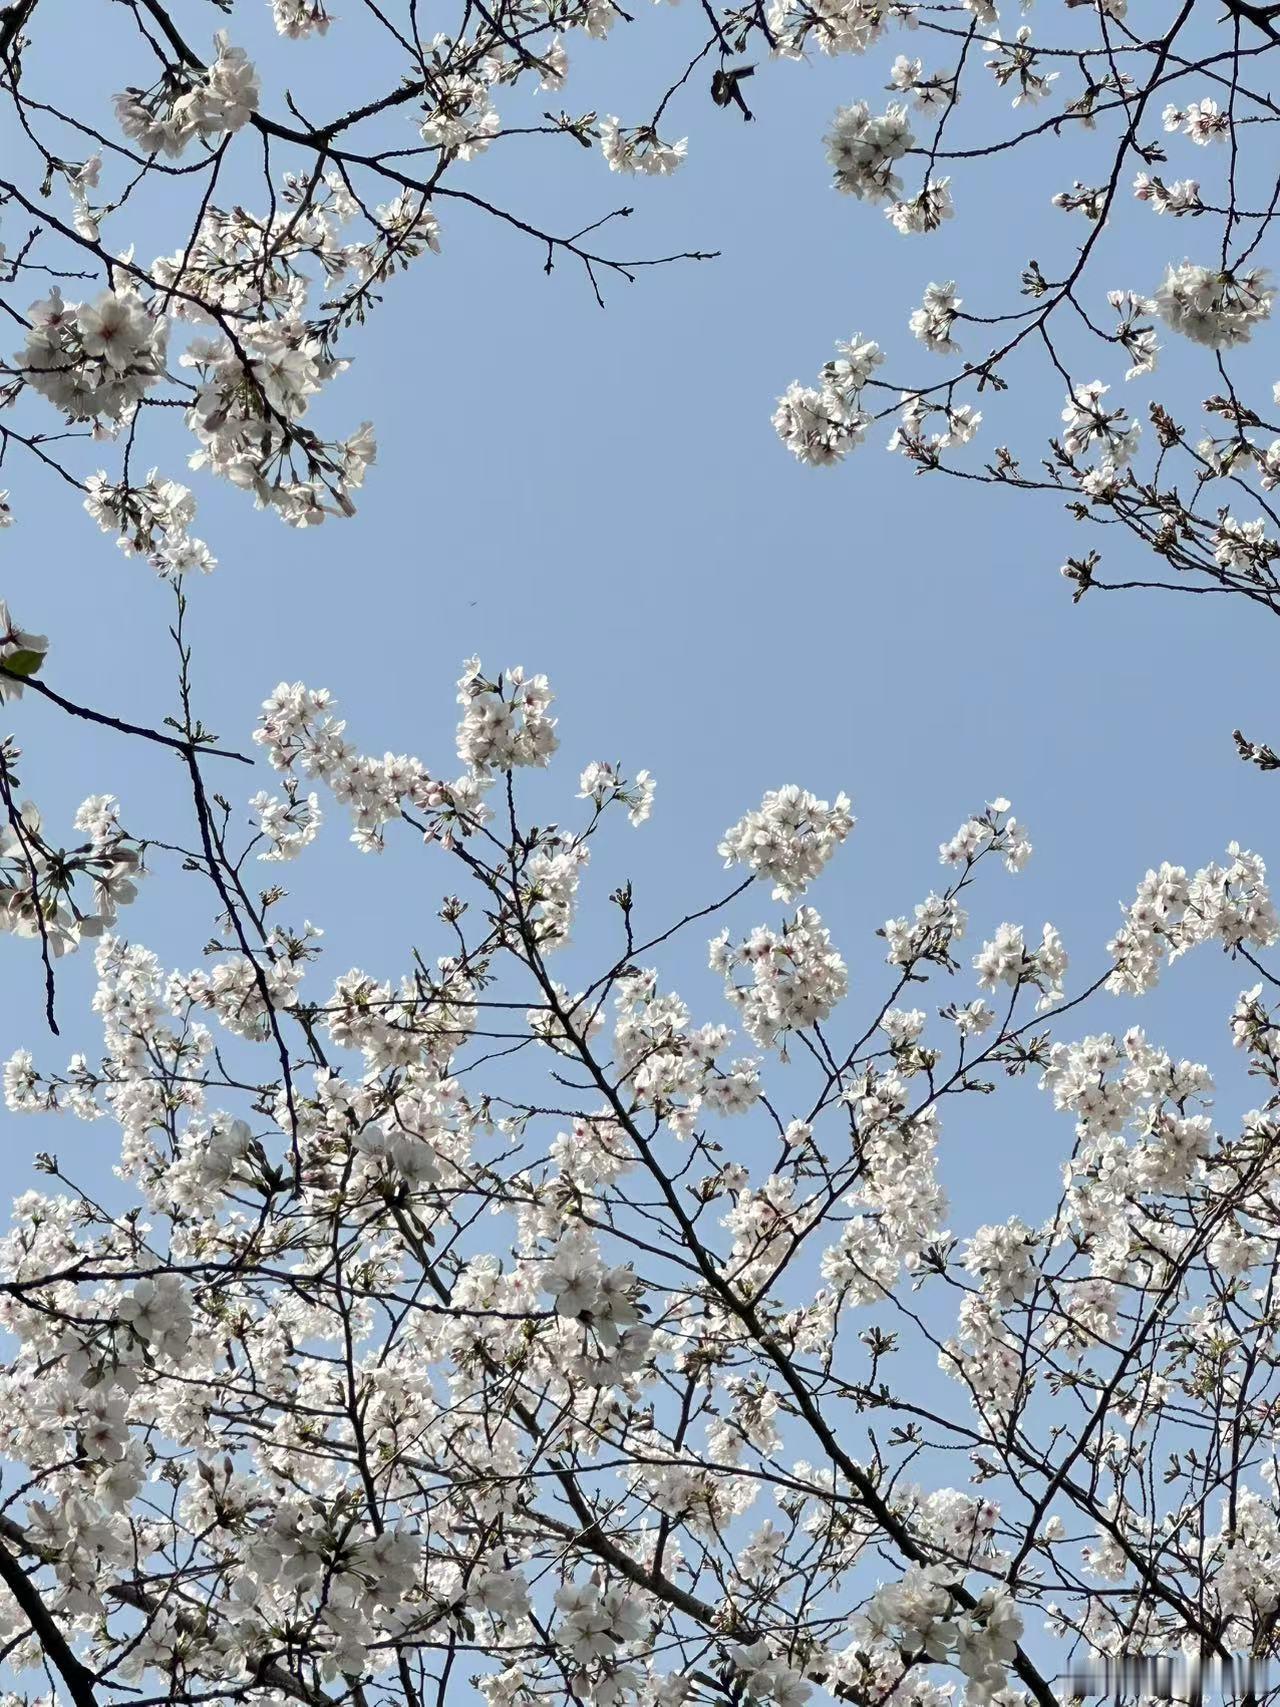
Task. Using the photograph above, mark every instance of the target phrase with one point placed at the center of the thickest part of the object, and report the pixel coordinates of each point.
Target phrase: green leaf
(23, 663)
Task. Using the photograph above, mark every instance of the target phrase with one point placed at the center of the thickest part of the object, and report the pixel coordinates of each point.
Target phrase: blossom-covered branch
(462, 1326)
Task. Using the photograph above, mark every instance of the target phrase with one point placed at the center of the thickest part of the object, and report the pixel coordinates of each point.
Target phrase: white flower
(862, 148)
(640, 149)
(299, 18)
(933, 320)
(506, 722)
(789, 838)
(21, 655)
(1211, 307)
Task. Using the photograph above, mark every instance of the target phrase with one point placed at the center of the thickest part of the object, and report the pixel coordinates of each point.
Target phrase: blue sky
(600, 495)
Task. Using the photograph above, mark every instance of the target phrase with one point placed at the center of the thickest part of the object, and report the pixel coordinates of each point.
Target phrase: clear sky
(600, 495)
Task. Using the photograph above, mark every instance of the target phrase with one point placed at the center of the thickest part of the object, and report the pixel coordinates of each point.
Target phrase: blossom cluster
(218, 102)
(93, 361)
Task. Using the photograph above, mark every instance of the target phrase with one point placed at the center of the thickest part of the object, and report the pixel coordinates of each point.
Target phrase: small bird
(724, 87)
